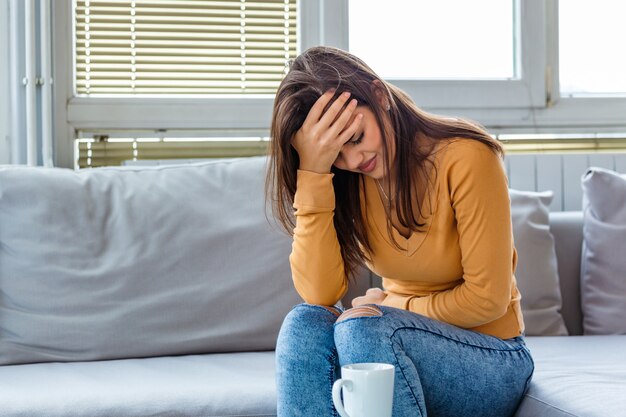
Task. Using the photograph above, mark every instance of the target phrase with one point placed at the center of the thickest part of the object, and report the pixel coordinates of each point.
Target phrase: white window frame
(527, 91)
(6, 151)
(562, 114)
(529, 105)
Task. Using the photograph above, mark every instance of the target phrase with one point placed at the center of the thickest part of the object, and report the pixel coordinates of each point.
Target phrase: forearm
(316, 262)
(461, 306)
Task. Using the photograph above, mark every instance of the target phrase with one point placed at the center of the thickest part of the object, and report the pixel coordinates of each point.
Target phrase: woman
(421, 200)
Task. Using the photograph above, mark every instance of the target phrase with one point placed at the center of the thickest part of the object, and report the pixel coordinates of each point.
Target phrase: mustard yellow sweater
(459, 269)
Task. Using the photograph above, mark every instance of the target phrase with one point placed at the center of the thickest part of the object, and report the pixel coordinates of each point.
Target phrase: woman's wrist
(314, 168)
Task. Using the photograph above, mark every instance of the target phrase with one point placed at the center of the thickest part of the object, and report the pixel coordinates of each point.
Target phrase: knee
(307, 321)
(359, 323)
(363, 335)
(307, 331)
(313, 312)
(360, 311)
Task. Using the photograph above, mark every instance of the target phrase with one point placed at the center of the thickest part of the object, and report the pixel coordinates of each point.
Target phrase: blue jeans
(441, 370)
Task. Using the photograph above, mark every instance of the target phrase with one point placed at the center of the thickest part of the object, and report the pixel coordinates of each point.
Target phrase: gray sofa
(159, 291)
(575, 375)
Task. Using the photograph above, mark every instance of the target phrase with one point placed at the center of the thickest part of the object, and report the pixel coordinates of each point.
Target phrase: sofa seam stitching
(551, 406)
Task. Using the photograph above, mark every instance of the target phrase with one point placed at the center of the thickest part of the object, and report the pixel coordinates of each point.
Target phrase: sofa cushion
(224, 385)
(576, 376)
(567, 229)
(136, 262)
(603, 267)
(536, 273)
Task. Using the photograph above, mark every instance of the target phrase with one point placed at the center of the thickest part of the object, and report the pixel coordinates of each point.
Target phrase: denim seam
(516, 349)
(417, 403)
(532, 370)
(521, 347)
(529, 354)
(331, 379)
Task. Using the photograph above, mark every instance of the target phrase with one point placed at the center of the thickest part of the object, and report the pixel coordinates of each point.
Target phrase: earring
(388, 107)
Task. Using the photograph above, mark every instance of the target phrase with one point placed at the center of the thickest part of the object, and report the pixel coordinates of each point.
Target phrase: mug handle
(337, 395)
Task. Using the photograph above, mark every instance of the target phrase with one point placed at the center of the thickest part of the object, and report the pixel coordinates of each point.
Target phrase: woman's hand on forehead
(323, 133)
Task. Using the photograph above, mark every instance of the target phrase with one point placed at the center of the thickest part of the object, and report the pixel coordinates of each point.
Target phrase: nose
(348, 159)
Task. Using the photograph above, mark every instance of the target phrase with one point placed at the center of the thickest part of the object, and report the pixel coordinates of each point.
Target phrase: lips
(368, 166)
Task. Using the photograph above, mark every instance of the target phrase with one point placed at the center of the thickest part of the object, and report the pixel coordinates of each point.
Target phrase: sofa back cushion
(603, 267)
(536, 273)
(137, 262)
(567, 229)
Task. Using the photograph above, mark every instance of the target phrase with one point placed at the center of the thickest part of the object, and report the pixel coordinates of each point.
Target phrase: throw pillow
(603, 265)
(536, 273)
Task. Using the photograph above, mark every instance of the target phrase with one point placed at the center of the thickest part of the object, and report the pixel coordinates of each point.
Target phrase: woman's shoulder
(461, 144)
(463, 151)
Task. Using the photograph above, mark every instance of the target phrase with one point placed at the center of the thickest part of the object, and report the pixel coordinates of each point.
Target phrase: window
(437, 44)
(169, 68)
(98, 151)
(182, 47)
(592, 60)
(470, 54)
(512, 65)
(532, 101)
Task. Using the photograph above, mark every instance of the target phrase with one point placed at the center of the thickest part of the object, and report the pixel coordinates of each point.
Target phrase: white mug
(367, 390)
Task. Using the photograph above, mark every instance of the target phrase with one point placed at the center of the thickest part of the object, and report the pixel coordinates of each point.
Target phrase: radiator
(560, 173)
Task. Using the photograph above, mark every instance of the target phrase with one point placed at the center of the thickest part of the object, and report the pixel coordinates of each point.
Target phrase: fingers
(319, 141)
(331, 114)
(351, 130)
(372, 296)
(357, 301)
(316, 111)
(315, 116)
(342, 120)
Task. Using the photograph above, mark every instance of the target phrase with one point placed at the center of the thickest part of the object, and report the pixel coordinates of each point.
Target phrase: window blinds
(96, 153)
(183, 47)
(92, 153)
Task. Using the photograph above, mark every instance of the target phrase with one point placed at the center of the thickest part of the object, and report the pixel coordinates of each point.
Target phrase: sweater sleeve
(480, 201)
(316, 262)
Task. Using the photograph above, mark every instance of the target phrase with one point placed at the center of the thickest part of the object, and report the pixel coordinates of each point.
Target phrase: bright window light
(444, 39)
(592, 55)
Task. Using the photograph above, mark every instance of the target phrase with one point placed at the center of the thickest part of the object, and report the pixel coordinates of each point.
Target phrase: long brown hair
(310, 75)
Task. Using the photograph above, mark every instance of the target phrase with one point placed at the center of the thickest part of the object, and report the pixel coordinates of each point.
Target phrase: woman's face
(363, 153)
